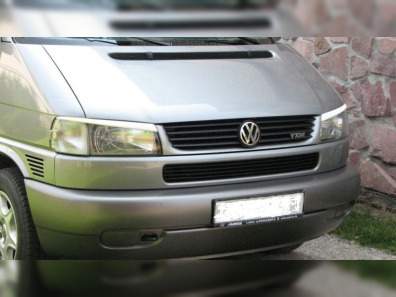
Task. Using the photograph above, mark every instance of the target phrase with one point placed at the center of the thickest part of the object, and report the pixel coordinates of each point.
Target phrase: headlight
(98, 137)
(334, 124)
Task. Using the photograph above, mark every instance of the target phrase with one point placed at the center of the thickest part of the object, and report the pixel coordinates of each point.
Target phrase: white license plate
(258, 210)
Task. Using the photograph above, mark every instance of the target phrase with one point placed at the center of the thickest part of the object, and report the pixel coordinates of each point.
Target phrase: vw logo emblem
(249, 134)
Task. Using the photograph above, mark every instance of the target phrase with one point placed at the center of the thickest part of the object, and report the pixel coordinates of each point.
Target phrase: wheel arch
(9, 158)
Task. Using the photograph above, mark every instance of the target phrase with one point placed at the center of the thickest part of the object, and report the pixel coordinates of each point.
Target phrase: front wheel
(18, 237)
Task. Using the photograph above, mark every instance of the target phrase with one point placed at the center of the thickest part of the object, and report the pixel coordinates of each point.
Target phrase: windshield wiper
(110, 41)
(152, 41)
(124, 42)
(236, 41)
(250, 40)
(220, 41)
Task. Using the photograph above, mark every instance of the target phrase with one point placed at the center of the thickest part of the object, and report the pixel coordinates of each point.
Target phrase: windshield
(147, 4)
(139, 41)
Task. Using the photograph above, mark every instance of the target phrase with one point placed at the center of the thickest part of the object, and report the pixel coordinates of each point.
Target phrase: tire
(18, 237)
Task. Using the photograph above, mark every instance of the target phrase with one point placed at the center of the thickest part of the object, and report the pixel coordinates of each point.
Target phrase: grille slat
(225, 133)
(284, 132)
(239, 169)
(199, 126)
(296, 126)
(202, 132)
(277, 140)
(209, 137)
(285, 120)
(204, 145)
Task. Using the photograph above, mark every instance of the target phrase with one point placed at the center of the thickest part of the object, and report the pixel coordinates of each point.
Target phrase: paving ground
(331, 247)
(329, 280)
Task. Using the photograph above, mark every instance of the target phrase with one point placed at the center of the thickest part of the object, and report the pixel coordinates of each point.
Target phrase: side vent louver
(36, 165)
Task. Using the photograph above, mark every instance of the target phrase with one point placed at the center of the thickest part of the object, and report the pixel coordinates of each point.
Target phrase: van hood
(188, 89)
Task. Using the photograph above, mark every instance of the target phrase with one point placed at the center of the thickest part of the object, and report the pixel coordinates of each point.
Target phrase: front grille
(221, 134)
(238, 169)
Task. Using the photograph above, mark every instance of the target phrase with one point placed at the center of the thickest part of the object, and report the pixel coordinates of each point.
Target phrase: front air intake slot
(197, 172)
(191, 55)
(36, 165)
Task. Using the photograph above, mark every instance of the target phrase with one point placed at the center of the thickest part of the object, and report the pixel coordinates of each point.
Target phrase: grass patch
(382, 271)
(370, 227)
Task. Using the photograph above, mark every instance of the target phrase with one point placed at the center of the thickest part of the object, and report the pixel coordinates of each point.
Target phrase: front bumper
(177, 223)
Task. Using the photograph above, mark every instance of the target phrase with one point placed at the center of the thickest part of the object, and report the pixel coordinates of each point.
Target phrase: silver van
(159, 148)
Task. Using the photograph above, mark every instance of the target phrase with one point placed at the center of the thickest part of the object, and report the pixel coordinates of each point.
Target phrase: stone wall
(349, 17)
(363, 71)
